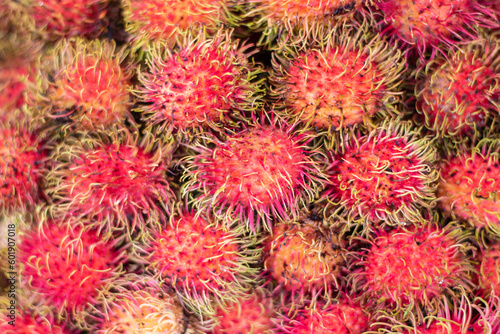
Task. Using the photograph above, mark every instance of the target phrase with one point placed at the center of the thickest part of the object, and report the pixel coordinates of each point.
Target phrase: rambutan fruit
(203, 262)
(458, 96)
(23, 161)
(115, 178)
(56, 19)
(346, 79)
(428, 25)
(85, 85)
(204, 83)
(275, 17)
(412, 270)
(343, 316)
(386, 176)
(489, 270)
(468, 188)
(253, 313)
(13, 74)
(167, 20)
(305, 257)
(31, 322)
(262, 172)
(69, 268)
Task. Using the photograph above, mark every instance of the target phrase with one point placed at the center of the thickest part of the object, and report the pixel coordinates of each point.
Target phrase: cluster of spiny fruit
(250, 166)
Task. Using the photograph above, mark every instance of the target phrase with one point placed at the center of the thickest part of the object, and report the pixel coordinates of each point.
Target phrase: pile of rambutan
(250, 166)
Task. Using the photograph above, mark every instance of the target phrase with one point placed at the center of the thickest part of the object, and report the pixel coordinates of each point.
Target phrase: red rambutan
(29, 322)
(468, 189)
(113, 177)
(345, 80)
(385, 176)
(202, 261)
(458, 96)
(85, 85)
(410, 270)
(489, 270)
(261, 172)
(203, 83)
(13, 74)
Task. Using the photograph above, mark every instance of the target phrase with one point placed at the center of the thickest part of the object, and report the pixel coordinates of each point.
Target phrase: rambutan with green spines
(253, 313)
(84, 85)
(116, 178)
(457, 96)
(411, 271)
(205, 263)
(205, 83)
(432, 26)
(468, 185)
(384, 177)
(57, 19)
(24, 155)
(264, 172)
(68, 267)
(345, 78)
(305, 258)
(167, 21)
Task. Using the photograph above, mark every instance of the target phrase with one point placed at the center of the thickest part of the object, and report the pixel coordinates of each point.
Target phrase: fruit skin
(384, 177)
(84, 85)
(56, 19)
(429, 25)
(411, 270)
(167, 21)
(253, 313)
(69, 268)
(489, 270)
(203, 83)
(346, 78)
(457, 95)
(206, 264)
(28, 321)
(13, 74)
(23, 161)
(114, 177)
(263, 172)
(469, 183)
(304, 257)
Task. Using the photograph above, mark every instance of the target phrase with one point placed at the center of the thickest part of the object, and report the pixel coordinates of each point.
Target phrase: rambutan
(68, 268)
(489, 270)
(203, 262)
(427, 25)
(458, 96)
(113, 177)
(262, 172)
(13, 74)
(23, 160)
(30, 322)
(468, 189)
(253, 313)
(346, 79)
(167, 20)
(203, 83)
(341, 317)
(55, 19)
(412, 270)
(85, 85)
(385, 176)
(304, 257)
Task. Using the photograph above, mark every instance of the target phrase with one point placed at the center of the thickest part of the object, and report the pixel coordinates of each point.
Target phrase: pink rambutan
(113, 177)
(409, 270)
(458, 96)
(30, 322)
(23, 160)
(13, 74)
(203, 262)
(264, 171)
(426, 24)
(85, 85)
(468, 189)
(253, 313)
(304, 257)
(167, 20)
(203, 83)
(346, 79)
(489, 270)
(54, 19)
(68, 268)
(385, 176)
